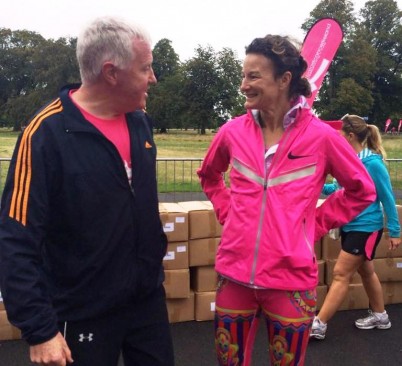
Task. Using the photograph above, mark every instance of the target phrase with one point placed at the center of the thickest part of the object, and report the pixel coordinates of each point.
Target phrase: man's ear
(109, 73)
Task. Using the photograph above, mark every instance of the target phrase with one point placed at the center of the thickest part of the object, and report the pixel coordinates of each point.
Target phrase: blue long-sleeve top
(372, 218)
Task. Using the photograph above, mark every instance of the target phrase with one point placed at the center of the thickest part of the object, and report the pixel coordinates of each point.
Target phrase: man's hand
(54, 352)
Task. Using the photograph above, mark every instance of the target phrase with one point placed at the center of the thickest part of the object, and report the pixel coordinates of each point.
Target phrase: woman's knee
(341, 276)
(366, 270)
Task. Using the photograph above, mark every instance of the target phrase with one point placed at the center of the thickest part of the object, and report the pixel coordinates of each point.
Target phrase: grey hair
(107, 39)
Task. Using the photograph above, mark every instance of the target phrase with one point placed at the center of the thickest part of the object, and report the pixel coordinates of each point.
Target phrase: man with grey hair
(81, 241)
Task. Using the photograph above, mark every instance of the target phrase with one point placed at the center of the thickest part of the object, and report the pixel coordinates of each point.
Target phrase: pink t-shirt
(116, 131)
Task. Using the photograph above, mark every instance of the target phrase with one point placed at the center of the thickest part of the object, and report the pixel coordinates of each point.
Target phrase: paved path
(345, 345)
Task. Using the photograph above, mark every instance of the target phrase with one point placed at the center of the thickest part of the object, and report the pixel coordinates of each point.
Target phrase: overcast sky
(187, 23)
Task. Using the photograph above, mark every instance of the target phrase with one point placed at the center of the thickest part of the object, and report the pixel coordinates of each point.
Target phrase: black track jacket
(76, 240)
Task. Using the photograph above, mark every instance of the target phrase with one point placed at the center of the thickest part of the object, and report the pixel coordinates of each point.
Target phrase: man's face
(133, 82)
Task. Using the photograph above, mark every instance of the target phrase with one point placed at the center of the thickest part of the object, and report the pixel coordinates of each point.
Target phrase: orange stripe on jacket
(23, 169)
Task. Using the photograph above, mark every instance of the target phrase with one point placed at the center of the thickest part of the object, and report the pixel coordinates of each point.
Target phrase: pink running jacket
(270, 219)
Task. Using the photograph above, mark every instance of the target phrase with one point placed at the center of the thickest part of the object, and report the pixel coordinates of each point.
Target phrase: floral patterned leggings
(288, 316)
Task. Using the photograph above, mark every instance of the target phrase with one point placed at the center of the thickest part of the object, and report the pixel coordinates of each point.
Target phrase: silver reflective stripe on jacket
(289, 177)
(285, 178)
(247, 172)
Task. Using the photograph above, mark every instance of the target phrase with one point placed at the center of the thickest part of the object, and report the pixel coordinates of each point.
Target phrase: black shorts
(360, 242)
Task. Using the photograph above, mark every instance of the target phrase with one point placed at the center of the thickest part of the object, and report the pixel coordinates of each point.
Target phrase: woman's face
(259, 86)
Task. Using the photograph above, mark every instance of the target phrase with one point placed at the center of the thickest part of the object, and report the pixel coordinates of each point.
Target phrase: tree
(201, 86)
(230, 101)
(381, 26)
(166, 60)
(368, 62)
(32, 71)
(352, 98)
(16, 70)
(165, 103)
(211, 87)
(55, 65)
(341, 10)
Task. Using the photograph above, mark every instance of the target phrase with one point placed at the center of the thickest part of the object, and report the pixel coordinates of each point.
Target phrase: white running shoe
(374, 320)
(318, 329)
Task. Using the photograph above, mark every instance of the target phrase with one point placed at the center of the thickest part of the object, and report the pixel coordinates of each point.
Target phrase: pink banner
(319, 48)
(400, 124)
(387, 123)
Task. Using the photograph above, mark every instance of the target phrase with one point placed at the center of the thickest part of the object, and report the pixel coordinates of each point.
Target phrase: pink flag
(319, 48)
(387, 123)
(400, 124)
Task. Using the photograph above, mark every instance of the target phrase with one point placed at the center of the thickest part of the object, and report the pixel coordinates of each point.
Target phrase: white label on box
(169, 256)
(213, 306)
(181, 249)
(168, 227)
(399, 265)
(180, 220)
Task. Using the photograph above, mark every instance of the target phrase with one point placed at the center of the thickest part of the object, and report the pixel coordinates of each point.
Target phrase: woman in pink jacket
(280, 155)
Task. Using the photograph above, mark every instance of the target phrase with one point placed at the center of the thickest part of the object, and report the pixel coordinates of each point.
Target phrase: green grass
(7, 142)
(181, 176)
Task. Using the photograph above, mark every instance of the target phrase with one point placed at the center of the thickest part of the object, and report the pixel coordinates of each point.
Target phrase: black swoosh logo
(291, 156)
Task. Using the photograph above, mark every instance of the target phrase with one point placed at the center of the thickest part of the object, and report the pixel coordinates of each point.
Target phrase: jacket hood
(367, 155)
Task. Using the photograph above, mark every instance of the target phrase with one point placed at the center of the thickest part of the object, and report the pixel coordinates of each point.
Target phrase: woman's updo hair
(286, 57)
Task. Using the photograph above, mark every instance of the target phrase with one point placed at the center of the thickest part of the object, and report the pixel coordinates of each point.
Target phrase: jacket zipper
(264, 201)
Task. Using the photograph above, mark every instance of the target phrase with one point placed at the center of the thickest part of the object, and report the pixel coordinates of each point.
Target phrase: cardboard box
(203, 278)
(388, 269)
(321, 272)
(392, 292)
(181, 310)
(7, 330)
(329, 270)
(176, 256)
(356, 298)
(204, 305)
(202, 221)
(202, 252)
(177, 283)
(174, 221)
(322, 291)
(318, 249)
(330, 247)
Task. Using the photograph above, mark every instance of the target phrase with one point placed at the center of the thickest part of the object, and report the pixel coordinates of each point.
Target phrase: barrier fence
(178, 180)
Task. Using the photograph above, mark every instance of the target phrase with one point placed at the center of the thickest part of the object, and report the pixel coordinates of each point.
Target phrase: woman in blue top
(360, 237)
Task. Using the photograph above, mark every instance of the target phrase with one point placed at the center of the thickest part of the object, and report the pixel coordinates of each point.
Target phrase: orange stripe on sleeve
(23, 170)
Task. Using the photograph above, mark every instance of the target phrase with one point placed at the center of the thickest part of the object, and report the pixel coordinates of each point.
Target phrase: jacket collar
(298, 104)
(74, 121)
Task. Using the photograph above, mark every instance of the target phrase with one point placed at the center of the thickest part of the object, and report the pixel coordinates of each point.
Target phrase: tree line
(365, 77)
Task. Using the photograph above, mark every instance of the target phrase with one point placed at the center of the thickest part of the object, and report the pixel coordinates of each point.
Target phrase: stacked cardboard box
(193, 234)
(204, 237)
(7, 331)
(180, 300)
